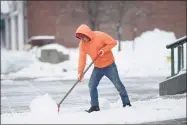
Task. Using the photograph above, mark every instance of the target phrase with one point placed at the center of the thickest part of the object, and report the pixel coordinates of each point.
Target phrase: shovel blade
(58, 108)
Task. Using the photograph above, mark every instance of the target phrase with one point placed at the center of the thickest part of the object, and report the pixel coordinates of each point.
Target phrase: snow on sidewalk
(44, 110)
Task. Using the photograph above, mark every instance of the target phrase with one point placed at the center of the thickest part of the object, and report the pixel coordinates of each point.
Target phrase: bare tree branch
(92, 8)
(133, 20)
(122, 9)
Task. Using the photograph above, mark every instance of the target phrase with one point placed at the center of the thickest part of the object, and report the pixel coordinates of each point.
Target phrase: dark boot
(129, 104)
(93, 108)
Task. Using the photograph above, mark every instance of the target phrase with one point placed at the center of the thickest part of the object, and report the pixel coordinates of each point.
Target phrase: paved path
(172, 121)
(17, 95)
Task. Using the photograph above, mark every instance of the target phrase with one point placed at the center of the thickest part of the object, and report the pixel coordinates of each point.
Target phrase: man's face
(85, 39)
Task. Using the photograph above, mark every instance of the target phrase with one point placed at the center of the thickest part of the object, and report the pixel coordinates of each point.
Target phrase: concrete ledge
(172, 86)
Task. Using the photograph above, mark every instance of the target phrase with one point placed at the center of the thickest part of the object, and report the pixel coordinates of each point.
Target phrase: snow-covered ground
(44, 110)
(148, 59)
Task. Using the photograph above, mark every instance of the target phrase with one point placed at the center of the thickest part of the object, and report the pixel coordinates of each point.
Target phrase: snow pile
(43, 107)
(42, 37)
(13, 61)
(150, 58)
(39, 69)
(104, 103)
(58, 47)
(43, 111)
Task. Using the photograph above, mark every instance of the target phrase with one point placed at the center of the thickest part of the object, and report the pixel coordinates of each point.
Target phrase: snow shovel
(75, 84)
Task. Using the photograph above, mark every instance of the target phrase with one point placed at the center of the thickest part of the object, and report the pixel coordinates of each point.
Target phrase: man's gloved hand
(101, 52)
(80, 77)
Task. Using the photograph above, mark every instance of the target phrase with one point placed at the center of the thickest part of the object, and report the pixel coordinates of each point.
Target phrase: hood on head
(84, 30)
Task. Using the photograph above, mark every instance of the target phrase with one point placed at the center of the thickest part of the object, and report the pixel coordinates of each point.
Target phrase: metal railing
(179, 44)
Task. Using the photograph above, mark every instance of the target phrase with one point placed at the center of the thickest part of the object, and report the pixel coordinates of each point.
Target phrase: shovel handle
(76, 82)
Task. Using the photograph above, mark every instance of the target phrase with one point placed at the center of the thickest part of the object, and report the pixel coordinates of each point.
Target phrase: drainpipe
(25, 10)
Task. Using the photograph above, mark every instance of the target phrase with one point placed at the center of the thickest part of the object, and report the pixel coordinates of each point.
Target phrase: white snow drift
(148, 59)
(44, 111)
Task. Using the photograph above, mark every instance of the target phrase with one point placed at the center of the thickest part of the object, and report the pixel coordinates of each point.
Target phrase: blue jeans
(112, 73)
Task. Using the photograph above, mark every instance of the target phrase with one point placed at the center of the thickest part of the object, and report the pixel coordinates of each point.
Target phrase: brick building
(61, 19)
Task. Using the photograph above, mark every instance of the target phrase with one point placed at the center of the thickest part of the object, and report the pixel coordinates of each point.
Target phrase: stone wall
(172, 86)
(53, 56)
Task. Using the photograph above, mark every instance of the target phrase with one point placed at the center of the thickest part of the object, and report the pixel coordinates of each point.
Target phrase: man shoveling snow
(96, 43)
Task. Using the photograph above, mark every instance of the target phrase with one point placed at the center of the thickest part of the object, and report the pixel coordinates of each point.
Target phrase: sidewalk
(172, 121)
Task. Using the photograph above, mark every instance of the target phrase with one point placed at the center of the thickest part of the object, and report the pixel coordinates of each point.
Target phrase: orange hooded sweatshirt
(98, 41)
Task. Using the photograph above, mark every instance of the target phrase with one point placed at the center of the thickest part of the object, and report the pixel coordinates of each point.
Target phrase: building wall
(14, 34)
(61, 19)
